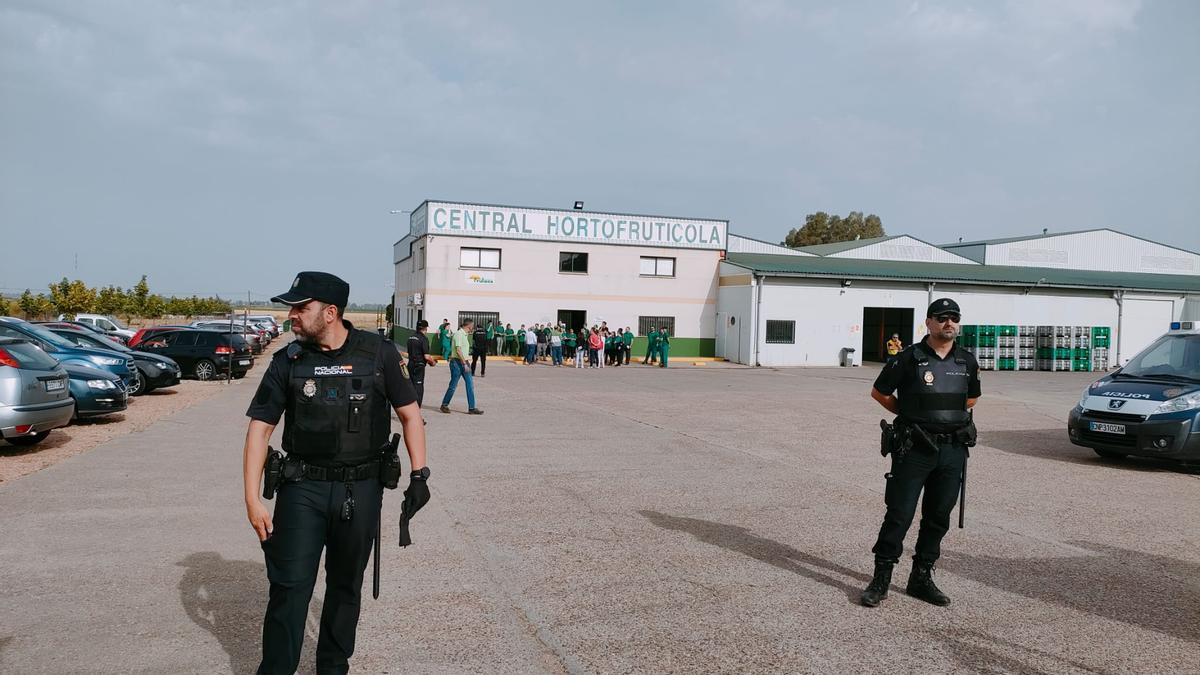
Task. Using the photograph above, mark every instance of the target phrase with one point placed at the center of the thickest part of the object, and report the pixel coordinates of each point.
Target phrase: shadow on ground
(742, 540)
(227, 598)
(1150, 591)
(1054, 444)
(979, 652)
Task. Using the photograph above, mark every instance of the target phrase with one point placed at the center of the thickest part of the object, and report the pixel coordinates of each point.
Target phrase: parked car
(34, 395)
(108, 337)
(154, 371)
(141, 334)
(67, 352)
(202, 354)
(248, 333)
(96, 392)
(106, 323)
(269, 321)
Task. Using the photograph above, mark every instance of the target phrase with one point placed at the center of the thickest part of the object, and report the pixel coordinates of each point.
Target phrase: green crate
(970, 329)
(1007, 330)
(1100, 341)
(987, 330)
(1100, 331)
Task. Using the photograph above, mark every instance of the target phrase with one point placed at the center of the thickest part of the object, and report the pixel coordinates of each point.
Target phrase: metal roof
(839, 246)
(785, 265)
(1049, 235)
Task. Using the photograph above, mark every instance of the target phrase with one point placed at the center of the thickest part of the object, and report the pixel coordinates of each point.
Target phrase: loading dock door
(878, 325)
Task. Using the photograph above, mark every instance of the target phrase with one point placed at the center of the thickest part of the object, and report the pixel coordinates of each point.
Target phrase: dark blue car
(96, 392)
(68, 353)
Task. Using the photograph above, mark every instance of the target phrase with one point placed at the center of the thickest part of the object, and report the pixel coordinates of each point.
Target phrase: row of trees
(76, 297)
(822, 228)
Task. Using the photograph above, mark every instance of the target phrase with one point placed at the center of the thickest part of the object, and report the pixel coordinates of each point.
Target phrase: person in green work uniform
(627, 339)
(521, 340)
(510, 340)
(568, 339)
(491, 337)
(664, 346)
(651, 347)
(444, 333)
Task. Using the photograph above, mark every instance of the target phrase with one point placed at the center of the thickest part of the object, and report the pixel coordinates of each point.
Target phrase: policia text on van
(1150, 407)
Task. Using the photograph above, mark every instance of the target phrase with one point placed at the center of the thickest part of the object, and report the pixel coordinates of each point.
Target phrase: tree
(35, 306)
(5, 306)
(822, 228)
(111, 300)
(136, 297)
(72, 297)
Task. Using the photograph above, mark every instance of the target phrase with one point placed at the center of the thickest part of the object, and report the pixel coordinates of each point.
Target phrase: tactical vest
(337, 412)
(934, 395)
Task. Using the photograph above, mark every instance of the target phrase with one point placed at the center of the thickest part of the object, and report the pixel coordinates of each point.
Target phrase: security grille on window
(781, 332)
(572, 262)
(649, 323)
(479, 258)
(480, 318)
(658, 267)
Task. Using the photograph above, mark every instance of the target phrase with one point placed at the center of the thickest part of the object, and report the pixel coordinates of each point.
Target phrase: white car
(108, 324)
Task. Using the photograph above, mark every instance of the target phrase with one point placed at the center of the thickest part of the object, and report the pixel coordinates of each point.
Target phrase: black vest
(480, 336)
(934, 393)
(337, 410)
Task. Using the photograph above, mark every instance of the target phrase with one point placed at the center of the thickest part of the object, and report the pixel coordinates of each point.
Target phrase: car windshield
(117, 322)
(87, 340)
(48, 336)
(29, 356)
(1170, 357)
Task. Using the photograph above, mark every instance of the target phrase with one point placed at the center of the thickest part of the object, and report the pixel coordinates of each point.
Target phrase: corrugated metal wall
(903, 248)
(1102, 250)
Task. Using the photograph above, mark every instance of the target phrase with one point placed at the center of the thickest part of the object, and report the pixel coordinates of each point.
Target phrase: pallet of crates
(1044, 354)
(1099, 358)
(1081, 359)
(1100, 337)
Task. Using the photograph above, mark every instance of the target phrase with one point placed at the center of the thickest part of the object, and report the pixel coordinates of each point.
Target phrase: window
(480, 318)
(479, 258)
(572, 262)
(421, 258)
(658, 267)
(181, 339)
(649, 323)
(781, 332)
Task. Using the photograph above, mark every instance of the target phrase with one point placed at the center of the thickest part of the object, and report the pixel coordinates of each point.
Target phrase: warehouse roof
(785, 265)
(1049, 235)
(839, 246)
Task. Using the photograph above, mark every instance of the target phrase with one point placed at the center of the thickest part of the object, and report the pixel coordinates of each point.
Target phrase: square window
(657, 267)
(781, 332)
(479, 258)
(576, 263)
(654, 323)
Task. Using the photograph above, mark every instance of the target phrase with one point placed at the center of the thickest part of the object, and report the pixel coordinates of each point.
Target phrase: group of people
(596, 347)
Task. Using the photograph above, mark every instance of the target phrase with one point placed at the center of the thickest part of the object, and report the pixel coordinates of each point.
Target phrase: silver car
(34, 393)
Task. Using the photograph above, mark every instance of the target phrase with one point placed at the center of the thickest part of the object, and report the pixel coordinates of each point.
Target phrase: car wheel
(205, 369)
(139, 384)
(238, 376)
(32, 439)
(1109, 454)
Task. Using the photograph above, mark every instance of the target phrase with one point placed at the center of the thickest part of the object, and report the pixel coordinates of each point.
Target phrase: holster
(968, 434)
(895, 438)
(389, 464)
(272, 472)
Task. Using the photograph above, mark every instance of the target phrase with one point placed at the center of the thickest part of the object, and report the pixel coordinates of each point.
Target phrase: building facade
(517, 265)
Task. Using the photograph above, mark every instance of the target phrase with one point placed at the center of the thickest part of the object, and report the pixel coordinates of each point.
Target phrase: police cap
(321, 286)
(943, 306)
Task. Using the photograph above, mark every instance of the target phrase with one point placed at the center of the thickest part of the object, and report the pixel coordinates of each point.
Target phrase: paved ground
(631, 520)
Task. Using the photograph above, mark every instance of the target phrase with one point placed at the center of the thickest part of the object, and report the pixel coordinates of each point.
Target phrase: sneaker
(445, 409)
(474, 411)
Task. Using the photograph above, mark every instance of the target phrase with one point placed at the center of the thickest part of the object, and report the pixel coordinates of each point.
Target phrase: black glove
(416, 496)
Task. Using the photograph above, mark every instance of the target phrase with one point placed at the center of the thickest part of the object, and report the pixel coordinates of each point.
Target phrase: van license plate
(1107, 428)
(54, 385)
(244, 362)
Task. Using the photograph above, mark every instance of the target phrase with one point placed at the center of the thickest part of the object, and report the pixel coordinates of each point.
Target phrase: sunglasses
(943, 318)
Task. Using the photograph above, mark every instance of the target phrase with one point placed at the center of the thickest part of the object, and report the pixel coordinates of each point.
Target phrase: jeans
(541, 350)
(593, 358)
(579, 352)
(556, 354)
(530, 353)
(459, 369)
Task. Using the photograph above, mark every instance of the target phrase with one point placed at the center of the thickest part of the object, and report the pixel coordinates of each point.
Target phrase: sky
(219, 147)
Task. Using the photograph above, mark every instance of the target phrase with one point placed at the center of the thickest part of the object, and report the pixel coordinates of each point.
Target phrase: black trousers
(479, 355)
(939, 474)
(416, 375)
(307, 520)
(626, 350)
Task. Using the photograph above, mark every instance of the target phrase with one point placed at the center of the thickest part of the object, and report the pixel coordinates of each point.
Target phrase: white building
(521, 265)
(787, 310)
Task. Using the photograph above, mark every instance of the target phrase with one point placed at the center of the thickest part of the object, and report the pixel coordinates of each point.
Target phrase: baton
(962, 493)
(378, 529)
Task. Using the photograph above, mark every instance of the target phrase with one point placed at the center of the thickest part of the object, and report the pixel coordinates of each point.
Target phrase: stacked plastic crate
(1006, 347)
(981, 341)
(1081, 348)
(1026, 347)
(1100, 345)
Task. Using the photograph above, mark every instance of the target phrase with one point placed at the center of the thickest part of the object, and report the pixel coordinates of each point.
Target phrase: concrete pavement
(627, 520)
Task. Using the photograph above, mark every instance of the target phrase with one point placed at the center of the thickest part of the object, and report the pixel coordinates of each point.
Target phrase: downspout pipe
(1119, 296)
(757, 282)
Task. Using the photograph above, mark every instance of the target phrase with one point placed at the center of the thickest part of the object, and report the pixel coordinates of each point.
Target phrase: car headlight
(101, 384)
(1083, 399)
(1179, 404)
(106, 361)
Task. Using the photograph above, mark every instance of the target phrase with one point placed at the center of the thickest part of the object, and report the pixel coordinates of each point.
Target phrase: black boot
(921, 586)
(877, 590)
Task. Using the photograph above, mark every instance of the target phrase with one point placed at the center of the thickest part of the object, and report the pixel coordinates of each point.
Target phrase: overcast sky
(221, 146)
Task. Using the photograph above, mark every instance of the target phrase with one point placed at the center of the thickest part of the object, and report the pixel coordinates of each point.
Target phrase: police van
(1150, 407)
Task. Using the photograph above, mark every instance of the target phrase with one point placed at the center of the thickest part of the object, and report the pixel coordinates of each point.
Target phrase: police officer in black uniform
(418, 358)
(335, 387)
(479, 349)
(936, 383)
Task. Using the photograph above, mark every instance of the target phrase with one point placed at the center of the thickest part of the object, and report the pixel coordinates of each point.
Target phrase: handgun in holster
(389, 464)
(272, 472)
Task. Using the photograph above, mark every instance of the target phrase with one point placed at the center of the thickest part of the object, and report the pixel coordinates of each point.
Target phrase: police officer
(418, 358)
(335, 388)
(935, 384)
(479, 349)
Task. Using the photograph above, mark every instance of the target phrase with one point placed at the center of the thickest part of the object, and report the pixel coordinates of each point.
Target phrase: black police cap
(943, 306)
(321, 286)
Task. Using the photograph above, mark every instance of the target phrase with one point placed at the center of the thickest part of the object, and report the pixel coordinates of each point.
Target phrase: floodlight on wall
(578, 206)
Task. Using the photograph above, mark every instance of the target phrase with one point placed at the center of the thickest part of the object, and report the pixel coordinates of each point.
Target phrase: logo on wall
(485, 278)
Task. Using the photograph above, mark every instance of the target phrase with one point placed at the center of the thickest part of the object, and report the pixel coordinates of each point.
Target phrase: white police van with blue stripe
(1150, 407)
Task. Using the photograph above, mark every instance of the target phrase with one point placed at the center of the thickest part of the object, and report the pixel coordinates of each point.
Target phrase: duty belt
(341, 474)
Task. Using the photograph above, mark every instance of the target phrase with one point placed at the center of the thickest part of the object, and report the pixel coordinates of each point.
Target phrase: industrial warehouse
(755, 303)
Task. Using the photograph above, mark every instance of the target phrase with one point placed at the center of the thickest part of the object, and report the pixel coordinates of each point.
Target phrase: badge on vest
(929, 377)
(310, 388)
